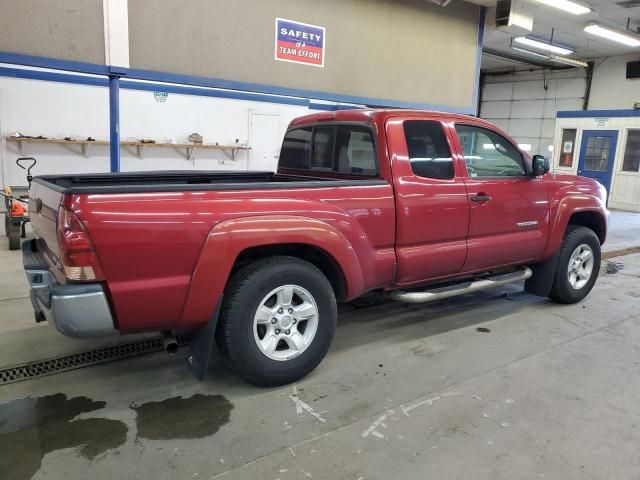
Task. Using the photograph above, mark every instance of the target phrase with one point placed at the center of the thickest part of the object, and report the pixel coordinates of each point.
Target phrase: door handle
(480, 197)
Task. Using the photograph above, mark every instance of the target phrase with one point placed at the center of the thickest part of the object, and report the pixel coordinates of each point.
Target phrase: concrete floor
(486, 386)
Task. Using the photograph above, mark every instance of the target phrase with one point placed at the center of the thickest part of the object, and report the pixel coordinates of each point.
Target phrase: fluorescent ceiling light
(525, 146)
(548, 47)
(550, 148)
(567, 6)
(613, 35)
(554, 58)
(529, 52)
(568, 61)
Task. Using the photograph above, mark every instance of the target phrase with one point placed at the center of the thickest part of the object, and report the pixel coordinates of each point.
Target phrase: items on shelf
(195, 138)
(139, 143)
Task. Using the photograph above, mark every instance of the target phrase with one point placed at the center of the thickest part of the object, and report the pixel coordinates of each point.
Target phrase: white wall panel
(60, 110)
(529, 90)
(610, 88)
(496, 91)
(550, 108)
(498, 109)
(570, 88)
(502, 124)
(520, 128)
(534, 100)
(548, 127)
(527, 109)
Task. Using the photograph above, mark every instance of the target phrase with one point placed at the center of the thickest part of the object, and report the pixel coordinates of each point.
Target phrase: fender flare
(228, 239)
(563, 212)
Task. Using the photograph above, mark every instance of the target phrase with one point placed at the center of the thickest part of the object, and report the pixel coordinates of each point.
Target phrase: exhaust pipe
(169, 343)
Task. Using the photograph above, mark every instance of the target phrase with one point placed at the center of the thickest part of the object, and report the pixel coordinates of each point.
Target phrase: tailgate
(43, 214)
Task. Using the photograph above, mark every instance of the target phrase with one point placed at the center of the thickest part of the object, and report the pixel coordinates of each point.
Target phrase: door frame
(250, 115)
(615, 136)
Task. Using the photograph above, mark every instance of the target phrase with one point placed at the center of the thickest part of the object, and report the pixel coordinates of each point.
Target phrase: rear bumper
(76, 310)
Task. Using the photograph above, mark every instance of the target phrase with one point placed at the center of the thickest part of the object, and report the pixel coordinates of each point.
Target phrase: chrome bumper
(76, 310)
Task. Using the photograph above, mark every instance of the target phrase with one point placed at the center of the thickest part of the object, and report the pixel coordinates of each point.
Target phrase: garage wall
(525, 105)
(610, 88)
(380, 49)
(54, 109)
(66, 29)
(392, 51)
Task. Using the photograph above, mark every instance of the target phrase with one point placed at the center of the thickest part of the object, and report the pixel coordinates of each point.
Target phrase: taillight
(76, 249)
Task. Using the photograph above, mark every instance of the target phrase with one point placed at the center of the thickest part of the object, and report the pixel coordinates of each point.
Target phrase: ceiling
(567, 30)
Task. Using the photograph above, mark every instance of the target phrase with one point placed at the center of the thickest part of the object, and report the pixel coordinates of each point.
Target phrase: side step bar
(460, 288)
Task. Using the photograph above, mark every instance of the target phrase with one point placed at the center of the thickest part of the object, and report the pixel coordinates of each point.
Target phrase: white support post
(116, 32)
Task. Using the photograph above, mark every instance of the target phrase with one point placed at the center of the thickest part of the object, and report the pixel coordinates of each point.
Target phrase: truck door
(432, 207)
(509, 210)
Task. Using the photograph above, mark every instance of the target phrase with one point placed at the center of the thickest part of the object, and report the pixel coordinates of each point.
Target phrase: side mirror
(540, 165)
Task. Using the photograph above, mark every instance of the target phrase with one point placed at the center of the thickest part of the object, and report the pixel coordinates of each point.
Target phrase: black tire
(244, 295)
(6, 224)
(14, 236)
(562, 291)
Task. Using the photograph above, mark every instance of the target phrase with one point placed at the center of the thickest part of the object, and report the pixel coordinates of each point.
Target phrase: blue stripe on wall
(195, 81)
(598, 113)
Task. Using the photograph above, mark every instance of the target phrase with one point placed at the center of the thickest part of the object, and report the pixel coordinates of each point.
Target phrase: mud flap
(544, 273)
(202, 346)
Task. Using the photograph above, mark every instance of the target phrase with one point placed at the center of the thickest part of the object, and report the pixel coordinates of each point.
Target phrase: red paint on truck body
(167, 256)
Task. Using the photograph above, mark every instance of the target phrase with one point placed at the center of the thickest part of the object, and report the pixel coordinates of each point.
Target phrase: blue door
(597, 155)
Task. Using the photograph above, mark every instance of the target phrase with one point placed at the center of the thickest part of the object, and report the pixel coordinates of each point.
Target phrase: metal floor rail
(40, 368)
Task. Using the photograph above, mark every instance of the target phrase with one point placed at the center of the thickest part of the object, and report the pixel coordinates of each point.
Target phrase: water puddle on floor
(32, 427)
(198, 416)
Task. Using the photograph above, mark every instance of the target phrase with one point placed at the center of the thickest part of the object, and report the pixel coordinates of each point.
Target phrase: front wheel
(578, 265)
(277, 320)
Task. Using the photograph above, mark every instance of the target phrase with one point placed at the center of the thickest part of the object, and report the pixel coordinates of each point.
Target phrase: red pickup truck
(415, 205)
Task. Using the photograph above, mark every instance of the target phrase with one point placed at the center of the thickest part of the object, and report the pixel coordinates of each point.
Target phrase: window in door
(428, 150)
(567, 147)
(631, 161)
(596, 157)
(488, 154)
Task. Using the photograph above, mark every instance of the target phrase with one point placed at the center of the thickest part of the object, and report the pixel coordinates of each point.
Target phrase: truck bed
(164, 181)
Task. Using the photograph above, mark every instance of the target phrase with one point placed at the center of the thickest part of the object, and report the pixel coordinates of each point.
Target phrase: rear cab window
(336, 149)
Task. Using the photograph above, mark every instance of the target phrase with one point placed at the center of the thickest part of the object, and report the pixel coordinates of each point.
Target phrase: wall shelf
(187, 149)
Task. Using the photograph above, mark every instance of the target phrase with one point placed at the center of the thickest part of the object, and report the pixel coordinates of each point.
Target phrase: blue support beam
(114, 122)
(243, 87)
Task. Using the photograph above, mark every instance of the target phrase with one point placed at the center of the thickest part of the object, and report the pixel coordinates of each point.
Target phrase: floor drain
(40, 368)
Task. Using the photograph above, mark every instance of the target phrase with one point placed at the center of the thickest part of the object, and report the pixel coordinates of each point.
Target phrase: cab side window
(488, 154)
(345, 149)
(322, 148)
(429, 152)
(296, 148)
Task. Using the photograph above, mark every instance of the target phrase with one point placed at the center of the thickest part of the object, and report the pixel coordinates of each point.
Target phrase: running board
(461, 288)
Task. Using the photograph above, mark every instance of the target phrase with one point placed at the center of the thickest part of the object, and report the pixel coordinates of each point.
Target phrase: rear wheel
(578, 265)
(277, 320)
(14, 235)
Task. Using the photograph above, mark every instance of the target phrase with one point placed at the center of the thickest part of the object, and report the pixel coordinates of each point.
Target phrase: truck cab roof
(366, 115)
